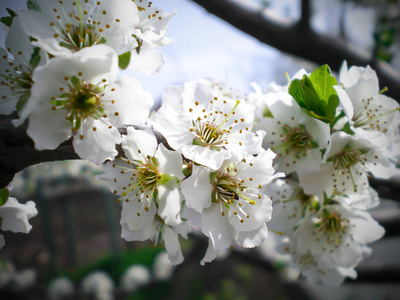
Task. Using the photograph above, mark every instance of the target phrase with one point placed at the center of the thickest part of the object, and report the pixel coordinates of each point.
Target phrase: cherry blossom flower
(147, 180)
(208, 129)
(338, 235)
(16, 67)
(230, 200)
(348, 162)
(77, 96)
(370, 112)
(64, 27)
(295, 137)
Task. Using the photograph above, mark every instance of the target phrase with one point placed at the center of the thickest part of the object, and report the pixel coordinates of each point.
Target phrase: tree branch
(17, 151)
(299, 41)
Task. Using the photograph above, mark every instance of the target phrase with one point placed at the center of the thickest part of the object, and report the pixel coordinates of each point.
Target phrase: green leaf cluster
(315, 94)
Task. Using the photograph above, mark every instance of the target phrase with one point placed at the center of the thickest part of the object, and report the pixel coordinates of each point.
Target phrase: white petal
(130, 217)
(138, 235)
(37, 25)
(251, 239)
(15, 216)
(48, 128)
(131, 104)
(211, 254)
(258, 213)
(138, 144)
(197, 189)
(217, 228)
(366, 230)
(169, 203)
(96, 145)
(345, 101)
(172, 245)
(169, 162)
(148, 61)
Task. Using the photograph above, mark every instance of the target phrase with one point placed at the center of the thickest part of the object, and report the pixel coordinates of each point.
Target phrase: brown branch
(17, 151)
(299, 41)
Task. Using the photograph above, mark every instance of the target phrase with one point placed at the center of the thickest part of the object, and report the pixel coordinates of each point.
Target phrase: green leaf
(315, 94)
(4, 194)
(323, 81)
(124, 59)
(296, 91)
(33, 5)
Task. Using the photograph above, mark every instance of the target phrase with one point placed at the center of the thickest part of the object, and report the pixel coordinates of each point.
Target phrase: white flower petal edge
(15, 216)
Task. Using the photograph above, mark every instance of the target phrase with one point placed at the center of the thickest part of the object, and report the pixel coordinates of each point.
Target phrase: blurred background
(75, 240)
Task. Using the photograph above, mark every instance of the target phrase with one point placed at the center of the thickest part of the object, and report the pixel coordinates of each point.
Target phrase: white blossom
(338, 235)
(369, 111)
(16, 67)
(208, 129)
(77, 96)
(295, 137)
(348, 162)
(230, 200)
(147, 180)
(65, 27)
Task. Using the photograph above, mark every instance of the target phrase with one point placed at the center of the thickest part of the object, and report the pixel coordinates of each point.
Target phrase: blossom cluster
(330, 136)
(207, 161)
(61, 65)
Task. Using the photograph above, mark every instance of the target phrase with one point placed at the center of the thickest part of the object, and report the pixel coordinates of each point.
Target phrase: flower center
(347, 158)
(145, 179)
(297, 140)
(18, 79)
(332, 226)
(209, 133)
(230, 193)
(80, 30)
(74, 38)
(82, 100)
